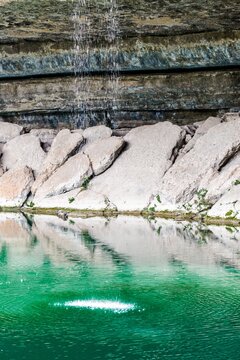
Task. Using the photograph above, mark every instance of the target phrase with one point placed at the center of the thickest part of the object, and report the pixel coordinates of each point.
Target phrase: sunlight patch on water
(115, 306)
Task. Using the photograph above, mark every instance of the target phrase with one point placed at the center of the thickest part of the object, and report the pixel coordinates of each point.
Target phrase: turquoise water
(121, 288)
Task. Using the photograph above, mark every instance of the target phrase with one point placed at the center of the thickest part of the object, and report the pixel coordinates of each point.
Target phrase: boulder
(103, 153)
(9, 131)
(15, 186)
(64, 145)
(96, 133)
(221, 181)
(76, 199)
(135, 175)
(23, 150)
(200, 131)
(228, 206)
(210, 153)
(46, 137)
(230, 116)
(69, 176)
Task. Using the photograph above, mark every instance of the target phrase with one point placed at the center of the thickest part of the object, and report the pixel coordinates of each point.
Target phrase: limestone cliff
(176, 60)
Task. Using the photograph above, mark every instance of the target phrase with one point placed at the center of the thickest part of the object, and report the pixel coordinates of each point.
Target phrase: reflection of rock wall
(132, 241)
(154, 36)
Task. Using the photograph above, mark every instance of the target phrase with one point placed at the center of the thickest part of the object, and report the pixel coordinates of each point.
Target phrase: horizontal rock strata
(147, 37)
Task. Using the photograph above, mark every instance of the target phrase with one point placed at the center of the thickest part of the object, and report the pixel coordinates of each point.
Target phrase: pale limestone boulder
(76, 199)
(23, 150)
(200, 131)
(96, 133)
(9, 131)
(221, 181)
(64, 145)
(15, 186)
(231, 116)
(69, 176)
(228, 206)
(103, 153)
(46, 137)
(136, 173)
(209, 154)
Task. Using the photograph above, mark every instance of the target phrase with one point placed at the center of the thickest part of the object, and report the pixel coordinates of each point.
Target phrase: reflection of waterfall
(96, 44)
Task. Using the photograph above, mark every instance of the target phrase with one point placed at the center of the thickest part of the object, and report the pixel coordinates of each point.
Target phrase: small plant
(71, 222)
(187, 207)
(31, 204)
(85, 183)
(236, 182)
(158, 199)
(71, 200)
(232, 214)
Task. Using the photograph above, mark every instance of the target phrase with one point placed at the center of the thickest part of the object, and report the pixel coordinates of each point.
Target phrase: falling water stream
(95, 53)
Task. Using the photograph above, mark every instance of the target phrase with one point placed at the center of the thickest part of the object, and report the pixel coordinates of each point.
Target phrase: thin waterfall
(96, 48)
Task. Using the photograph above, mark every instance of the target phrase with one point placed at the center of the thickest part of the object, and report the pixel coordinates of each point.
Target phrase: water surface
(120, 288)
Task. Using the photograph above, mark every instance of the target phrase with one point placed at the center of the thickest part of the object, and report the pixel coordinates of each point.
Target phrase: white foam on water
(115, 306)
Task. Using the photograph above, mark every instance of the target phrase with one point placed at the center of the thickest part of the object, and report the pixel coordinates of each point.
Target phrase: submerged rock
(15, 186)
(23, 150)
(63, 146)
(103, 153)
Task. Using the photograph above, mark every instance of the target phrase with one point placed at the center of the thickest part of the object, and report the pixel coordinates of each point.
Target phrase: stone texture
(69, 176)
(135, 174)
(103, 153)
(9, 131)
(64, 145)
(205, 91)
(152, 36)
(46, 137)
(201, 130)
(219, 182)
(23, 150)
(228, 206)
(15, 186)
(96, 133)
(209, 154)
(76, 199)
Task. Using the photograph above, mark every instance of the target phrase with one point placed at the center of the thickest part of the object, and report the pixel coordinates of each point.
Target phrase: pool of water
(120, 288)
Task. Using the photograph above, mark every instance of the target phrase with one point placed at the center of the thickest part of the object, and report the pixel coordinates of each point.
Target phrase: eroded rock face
(133, 177)
(15, 186)
(9, 131)
(23, 150)
(69, 176)
(103, 153)
(63, 146)
(209, 154)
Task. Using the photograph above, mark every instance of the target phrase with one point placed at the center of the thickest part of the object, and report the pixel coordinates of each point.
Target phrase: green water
(176, 289)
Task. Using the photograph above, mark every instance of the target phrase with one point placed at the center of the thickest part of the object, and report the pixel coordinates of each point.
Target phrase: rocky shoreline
(166, 170)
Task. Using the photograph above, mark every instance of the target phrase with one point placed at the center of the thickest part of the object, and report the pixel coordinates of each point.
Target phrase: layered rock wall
(177, 61)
